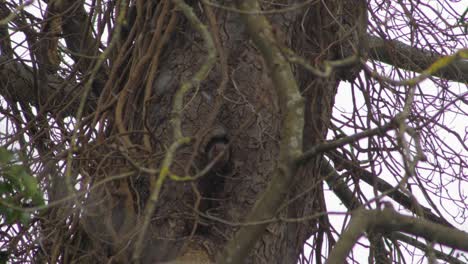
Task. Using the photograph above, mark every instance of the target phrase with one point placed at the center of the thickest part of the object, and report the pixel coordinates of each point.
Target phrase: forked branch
(388, 221)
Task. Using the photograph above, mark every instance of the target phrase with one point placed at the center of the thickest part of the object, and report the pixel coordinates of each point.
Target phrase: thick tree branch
(17, 84)
(388, 221)
(338, 186)
(292, 107)
(414, 59)
(77, 32)
(346, 196)
(416, 243)
(5, 42)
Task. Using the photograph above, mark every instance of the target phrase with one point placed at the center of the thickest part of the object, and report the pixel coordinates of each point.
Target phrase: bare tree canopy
(226, 131)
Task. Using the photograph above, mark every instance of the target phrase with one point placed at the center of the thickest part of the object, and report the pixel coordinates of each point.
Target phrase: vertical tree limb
(292, 107)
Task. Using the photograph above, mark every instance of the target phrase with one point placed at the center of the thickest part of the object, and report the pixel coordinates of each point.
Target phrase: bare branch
(343, 141)
(439, 254)
(339, 187)
(388, 221)
(410, 58)
(17, 84)
(77, 32)
(383, 186)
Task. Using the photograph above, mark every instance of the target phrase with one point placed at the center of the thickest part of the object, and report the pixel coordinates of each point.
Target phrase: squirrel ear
(216, 149)
(215, 135)
(219, 154)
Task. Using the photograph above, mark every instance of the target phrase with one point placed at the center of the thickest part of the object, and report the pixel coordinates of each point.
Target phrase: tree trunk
(194, 132)
(193, 220)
